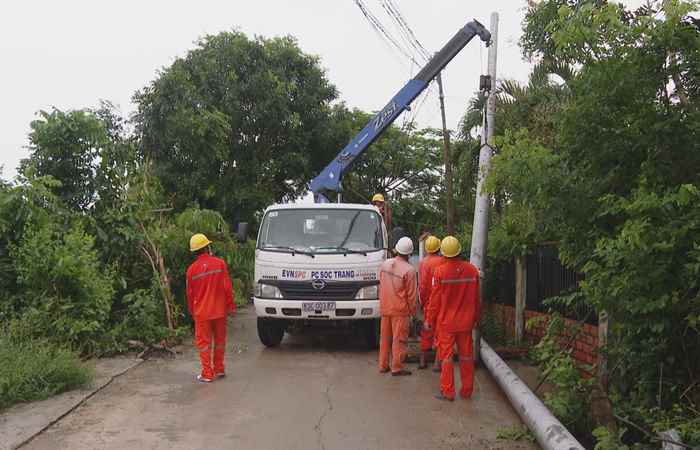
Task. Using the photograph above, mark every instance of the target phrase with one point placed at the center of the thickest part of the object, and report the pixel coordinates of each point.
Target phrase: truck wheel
(270, 332)
(370, 330)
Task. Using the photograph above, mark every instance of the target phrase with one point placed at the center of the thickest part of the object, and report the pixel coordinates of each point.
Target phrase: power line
(410, 44)
(379, 28)
(396, 13)
(403, 32)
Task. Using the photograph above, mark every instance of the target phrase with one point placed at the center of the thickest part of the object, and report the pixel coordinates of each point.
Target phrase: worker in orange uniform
(209, 300)
(454, 303)
(384, 210)
(425, 284)
(397, 303)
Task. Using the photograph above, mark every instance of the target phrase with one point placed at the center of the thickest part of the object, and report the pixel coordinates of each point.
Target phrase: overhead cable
(377, 25)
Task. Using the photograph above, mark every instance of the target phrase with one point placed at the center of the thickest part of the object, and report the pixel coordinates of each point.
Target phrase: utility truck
(318, 264)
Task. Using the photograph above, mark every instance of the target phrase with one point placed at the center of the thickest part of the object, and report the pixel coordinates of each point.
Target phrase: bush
(647, 278)
(141, 319)
(67, 292)
(569, 400)
(32, 369)
(239, 257)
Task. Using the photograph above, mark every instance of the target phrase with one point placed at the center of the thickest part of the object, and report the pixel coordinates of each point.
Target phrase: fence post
(520, 294)
(603, 325)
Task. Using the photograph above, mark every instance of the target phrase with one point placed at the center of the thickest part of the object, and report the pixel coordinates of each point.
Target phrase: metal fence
(546, 278)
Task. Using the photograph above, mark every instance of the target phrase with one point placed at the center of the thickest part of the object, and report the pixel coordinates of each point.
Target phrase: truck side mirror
(242, 231)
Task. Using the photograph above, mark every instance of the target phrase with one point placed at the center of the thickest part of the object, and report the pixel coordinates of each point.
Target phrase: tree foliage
(67, 291)
(613, 176)
(84, 149)
(404, 164)
(237, 124)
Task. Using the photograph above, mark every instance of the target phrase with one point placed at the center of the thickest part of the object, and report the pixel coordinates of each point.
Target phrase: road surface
(310, 393)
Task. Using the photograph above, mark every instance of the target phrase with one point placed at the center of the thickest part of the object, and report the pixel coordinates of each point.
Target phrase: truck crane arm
(330, 177)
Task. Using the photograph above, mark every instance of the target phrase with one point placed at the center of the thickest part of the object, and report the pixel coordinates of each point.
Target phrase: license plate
(318, 306)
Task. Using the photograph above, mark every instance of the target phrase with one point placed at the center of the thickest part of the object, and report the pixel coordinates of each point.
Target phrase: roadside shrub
(141, 319)
(67, 291)
(242, 268)
(492, 329)
(569, 400)
(34, 369)
(174, 243)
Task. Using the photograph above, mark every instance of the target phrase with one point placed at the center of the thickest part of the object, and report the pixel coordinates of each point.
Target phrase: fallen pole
(549, 432)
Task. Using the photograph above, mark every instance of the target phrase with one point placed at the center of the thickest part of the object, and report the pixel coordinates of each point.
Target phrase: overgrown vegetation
(600, 152)
(32, 369)
(515, 433)
(569, 398)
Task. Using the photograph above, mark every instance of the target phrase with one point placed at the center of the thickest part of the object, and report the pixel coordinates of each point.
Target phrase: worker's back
(456, 293)
(397, 288)
(209, 290)
(426, 268)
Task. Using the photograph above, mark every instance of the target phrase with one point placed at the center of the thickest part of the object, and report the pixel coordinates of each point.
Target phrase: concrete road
(310, 393)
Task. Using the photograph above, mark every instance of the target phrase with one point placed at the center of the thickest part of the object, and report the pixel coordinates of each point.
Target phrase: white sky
(72, 53)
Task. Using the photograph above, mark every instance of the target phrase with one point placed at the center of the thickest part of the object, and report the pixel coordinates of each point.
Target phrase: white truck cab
(318, 265)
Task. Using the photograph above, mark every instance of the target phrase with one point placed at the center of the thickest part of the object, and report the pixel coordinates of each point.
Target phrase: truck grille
(333, 290)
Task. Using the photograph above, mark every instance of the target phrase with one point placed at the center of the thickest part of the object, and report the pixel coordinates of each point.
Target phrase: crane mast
(329, 180)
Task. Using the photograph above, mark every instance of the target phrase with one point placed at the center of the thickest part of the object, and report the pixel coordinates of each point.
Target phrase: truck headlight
(267, 291)
(368, 293)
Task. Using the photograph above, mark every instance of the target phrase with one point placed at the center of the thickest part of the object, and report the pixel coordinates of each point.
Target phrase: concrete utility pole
(480, 229)
(448, 161)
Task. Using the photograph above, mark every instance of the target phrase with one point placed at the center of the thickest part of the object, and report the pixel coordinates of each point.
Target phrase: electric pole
(480, 230)
(448, 161)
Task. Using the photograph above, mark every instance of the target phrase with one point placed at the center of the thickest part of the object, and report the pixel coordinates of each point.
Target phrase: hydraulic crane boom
(330, 178)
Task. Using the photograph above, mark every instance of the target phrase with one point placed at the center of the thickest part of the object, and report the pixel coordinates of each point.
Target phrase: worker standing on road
(397, 303)
(209, 300)
(425, 284)
(384, 210)
(454, 303)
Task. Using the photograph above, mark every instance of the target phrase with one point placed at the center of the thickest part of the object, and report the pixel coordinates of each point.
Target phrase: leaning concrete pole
(480, 229)
(549, 432)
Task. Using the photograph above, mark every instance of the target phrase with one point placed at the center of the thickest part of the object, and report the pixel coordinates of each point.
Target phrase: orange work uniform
(385, 212)
(425, 284)
(209, 300)
(397, 302)
(454, 304)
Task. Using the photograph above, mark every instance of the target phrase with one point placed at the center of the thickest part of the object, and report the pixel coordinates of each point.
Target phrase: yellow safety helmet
(378, 198)
(432, 244)
(198, 242)
(450, 247)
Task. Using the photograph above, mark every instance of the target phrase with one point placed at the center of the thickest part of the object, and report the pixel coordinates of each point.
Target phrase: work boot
(220, 375)
(385, 370)
(202, 379)
(401, 373)
(442, 396)
(421, 361)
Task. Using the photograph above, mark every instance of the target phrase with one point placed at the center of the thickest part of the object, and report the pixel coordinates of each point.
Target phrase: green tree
(529, 176)
(237, 124)
(404, 164)
(88, 151)
(623, 199)
(66, 145)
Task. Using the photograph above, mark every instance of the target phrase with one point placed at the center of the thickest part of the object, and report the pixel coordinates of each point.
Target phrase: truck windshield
(321, 231)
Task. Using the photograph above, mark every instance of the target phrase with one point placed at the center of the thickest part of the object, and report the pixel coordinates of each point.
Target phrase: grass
(33, 369)
(515, 433)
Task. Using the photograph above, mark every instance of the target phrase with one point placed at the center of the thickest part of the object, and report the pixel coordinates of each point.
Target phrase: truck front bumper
(294, 310)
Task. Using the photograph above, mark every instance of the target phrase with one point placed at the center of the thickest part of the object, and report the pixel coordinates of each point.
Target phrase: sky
(71, 54)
